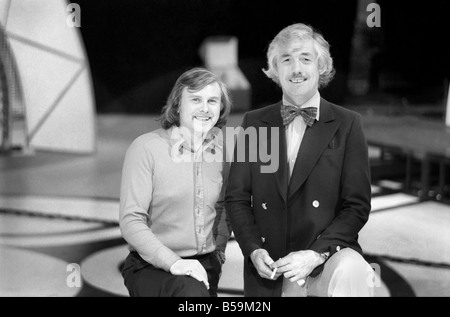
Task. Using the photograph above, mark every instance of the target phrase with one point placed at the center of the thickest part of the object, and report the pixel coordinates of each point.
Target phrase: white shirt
(294, 136)
(296, 130)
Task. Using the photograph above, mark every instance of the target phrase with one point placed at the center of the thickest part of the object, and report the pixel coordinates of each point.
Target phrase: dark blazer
(323, 206)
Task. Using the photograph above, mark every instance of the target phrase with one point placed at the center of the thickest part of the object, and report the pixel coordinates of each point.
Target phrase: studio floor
(59, 234)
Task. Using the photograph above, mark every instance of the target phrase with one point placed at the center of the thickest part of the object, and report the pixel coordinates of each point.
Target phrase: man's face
(298, 71)
(200, 110)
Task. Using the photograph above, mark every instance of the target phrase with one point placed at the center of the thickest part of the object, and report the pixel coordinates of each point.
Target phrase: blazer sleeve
(238, 198)
(355, 195)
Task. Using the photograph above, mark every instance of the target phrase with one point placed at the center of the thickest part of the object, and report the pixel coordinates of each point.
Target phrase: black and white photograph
(224, 148)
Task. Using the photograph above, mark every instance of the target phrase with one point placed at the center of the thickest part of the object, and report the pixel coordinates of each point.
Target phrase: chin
(203, 129)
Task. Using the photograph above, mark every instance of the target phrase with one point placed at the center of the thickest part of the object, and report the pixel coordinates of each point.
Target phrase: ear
(275, 66)
(321, 66)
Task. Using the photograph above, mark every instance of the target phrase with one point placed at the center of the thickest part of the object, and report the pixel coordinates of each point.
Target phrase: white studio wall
(54, 73)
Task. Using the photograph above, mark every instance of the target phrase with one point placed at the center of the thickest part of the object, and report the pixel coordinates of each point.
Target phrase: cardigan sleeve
(135, 198)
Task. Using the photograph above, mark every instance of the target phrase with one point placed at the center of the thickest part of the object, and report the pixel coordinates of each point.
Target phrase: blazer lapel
(314, 142)
(273, 119)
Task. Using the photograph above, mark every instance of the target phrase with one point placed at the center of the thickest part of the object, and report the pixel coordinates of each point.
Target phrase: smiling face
(298, 71)
(200, 110)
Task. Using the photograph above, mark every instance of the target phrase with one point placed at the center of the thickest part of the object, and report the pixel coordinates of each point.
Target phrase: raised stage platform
(416, 147)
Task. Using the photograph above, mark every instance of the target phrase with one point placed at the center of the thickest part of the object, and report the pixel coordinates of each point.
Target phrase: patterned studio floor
(58, 218)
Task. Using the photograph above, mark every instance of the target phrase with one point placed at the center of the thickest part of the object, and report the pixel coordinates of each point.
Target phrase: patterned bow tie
(288, 113)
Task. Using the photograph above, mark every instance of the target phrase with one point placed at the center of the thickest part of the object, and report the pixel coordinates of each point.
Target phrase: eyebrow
(296, 50)
(194, 95)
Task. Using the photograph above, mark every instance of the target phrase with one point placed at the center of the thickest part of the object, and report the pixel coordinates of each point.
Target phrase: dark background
(138, 48)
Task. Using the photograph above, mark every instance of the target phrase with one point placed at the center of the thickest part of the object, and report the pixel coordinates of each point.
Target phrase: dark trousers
(144, 280)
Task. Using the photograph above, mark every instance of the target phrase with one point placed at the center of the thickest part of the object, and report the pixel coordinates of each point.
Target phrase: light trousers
(345, 274)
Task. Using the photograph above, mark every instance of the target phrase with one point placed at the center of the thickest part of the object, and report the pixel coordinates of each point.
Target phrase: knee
(185, 286)
(352, 274)
(352, 264)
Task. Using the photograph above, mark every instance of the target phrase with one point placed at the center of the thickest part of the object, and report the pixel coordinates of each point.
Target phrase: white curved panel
(4, 9)
(45, 77)
(55, 74)
(73, 120)
(44, 22)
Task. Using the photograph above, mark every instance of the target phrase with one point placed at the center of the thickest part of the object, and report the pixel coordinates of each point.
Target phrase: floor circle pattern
(101, 270)
(19, 280)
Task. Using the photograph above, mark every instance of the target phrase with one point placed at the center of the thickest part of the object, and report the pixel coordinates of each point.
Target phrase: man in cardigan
(298, 227)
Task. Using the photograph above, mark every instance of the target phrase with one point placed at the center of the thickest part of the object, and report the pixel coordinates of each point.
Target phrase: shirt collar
(314, 101)
(212, 142)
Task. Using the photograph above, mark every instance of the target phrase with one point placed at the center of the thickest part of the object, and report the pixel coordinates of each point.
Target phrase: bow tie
(288, 113)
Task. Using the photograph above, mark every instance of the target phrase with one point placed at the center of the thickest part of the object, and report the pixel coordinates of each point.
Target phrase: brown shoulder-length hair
(194, 80)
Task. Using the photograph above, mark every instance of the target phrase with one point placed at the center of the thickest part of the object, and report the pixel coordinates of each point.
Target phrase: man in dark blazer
(297, 226)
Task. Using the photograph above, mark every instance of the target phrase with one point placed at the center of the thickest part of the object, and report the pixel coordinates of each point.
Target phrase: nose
(204, 106)
(297, 67)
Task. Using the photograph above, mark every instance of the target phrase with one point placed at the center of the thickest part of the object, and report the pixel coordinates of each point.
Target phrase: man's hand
(262, 261)
(191, 268)
(296, 266)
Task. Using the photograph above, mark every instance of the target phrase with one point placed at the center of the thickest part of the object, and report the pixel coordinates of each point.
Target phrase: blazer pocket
(333, 152)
